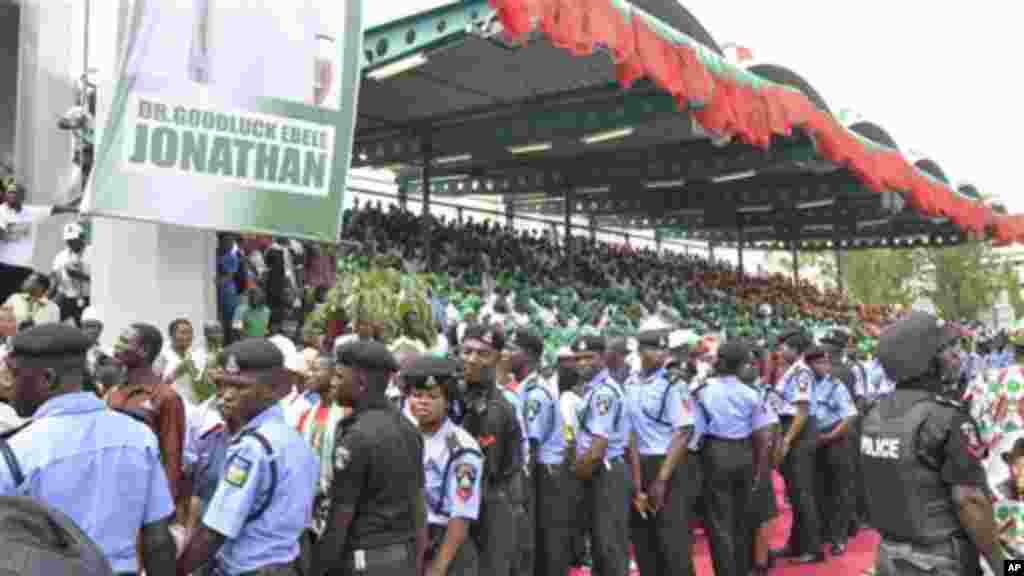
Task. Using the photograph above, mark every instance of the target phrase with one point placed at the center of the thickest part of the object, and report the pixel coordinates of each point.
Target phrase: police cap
(527, 340)
(589, 343)
(906, 349)
(49, 346)
(653, 339)
(427, 371)
(252, 355)
(368, 355)
(36, 539)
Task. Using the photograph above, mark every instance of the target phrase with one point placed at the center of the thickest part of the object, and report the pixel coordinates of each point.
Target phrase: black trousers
(799, 472)
(467, 559)
(497, 532)
(11, 279)
(857, 487)
(527, 528)
(728, 468)
(608, 504)
(834, 491)
(393, 560)
(70, 308)
(663, 541)
(553, 506)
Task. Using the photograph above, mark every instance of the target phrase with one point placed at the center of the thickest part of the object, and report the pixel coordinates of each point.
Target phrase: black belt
(727, 440)
(262, 571)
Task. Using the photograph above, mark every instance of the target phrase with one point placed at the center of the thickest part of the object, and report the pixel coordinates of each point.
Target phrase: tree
(881, 276)
(1011, 281)
(964, 282)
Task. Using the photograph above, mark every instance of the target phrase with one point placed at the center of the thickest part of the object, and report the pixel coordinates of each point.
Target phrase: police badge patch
(465, 476)
(231, 366)
(341, 457)
(604, 404)
(238, 472)
(532, 409)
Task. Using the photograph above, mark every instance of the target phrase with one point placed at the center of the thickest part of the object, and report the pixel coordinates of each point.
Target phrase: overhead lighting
(757, 209)
(872, 223)
(453, 159)
(530, 148)
(759, 229)
(818, 227)
(397, 67)
(608, 135)
(593, 190)
(659, 184)
(734, 176)
(816, 204)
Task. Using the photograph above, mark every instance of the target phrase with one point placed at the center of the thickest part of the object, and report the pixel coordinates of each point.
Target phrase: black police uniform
(379, 475)
(444, 371)
(916, 445)
(36, 539)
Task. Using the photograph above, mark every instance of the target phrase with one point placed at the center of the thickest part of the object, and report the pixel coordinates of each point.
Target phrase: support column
(796, 263)
(593, 229)
(510, 214)
(839, 269)
(459, 212)
(570, 249)
(428, 176)
(711, 252)
(739, 254)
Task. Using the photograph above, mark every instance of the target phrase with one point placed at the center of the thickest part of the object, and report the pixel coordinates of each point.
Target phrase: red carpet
(860, 554)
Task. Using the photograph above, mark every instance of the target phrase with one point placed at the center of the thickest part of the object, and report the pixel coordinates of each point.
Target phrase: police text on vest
(884, 448)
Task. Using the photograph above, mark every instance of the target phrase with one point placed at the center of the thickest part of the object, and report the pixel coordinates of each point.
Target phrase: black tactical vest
(901, 463)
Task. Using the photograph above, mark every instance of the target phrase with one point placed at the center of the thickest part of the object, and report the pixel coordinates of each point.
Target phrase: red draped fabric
(726, 104)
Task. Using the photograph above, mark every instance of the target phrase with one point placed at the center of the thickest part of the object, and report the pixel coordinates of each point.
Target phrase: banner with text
(245, 126)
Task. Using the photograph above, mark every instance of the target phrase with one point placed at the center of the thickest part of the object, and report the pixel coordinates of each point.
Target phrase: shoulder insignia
(237, 473)
(604, 404)
(465, 477)
(453, 442)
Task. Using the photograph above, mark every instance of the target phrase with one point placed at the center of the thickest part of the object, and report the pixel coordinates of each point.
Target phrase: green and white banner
(228, 118)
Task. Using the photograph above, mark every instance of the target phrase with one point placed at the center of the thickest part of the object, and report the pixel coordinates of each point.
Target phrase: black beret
(428, 371)
(657, 339)
(815, 353)
(589, 344)
(493, 336)
(46, 345)
(367, 354)
(527, 340)
(734, 352)
(252, 355)
(36, 539)
(906, 349)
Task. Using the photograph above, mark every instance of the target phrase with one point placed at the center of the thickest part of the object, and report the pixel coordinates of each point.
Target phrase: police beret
(657, 339)
(906, 349)
(47, 344)
(35, 539)
(368, 355)
(429, 365)
(529, 341)
(733, 353)
(252, 355)
(589, 343)
(492, 336)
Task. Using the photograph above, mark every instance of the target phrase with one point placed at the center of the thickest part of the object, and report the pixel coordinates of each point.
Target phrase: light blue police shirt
(603, 411)
(457, 494)
(729, 409)
(797, 388)
(273, 538)
(656, 412)
(99, 467)
(832, 402)
(544, 422)
(860, 379)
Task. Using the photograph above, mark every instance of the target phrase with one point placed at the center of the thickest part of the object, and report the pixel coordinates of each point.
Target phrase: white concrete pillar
(143, 272)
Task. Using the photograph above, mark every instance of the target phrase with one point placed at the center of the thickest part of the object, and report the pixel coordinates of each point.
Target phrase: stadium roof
(633, 114)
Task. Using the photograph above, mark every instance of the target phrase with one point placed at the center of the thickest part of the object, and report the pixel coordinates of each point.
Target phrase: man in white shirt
(31, 304)
(17, 221)
(72, 274)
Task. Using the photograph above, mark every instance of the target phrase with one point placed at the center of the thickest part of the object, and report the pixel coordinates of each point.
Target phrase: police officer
(264, 499)
(795, 454)
(764, 508)
(922, 461)
(661, 428)
(376, 524)
(77, 456)
(834, 416)
(453, 467)
(734, 434)
(550, 482)
(36, 539)
(600, 458)
(492, 421)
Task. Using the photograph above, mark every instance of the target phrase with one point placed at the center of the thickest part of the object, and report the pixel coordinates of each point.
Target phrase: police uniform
(453, 469)
(263, 502)
(551, 488)
(916, 446)
(834, 462)
(798, 466)
(863, 399)
(604, 412)
(657, 414)
(378, 479)
(728, 413)
(77, 456)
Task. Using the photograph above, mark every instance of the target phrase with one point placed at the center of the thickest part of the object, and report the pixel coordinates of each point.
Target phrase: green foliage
(1012, 284)
(963, 281)
(881, 276)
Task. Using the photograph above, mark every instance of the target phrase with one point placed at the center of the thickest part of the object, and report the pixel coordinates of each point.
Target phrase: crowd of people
(670, 398)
